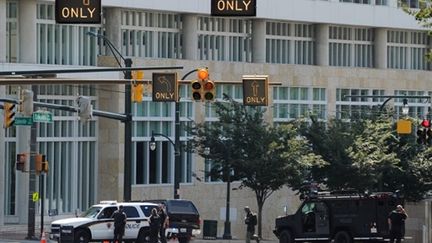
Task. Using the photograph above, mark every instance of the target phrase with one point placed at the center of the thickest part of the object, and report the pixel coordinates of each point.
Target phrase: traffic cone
(43, 239)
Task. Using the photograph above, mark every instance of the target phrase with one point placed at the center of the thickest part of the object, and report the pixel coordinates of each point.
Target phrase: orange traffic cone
(43, 239)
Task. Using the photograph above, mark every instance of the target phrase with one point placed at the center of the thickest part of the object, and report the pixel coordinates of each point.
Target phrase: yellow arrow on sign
(35, 196)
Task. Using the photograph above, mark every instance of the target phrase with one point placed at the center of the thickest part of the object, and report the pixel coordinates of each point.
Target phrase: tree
(423, 15)
(368, 155)
(261, 157)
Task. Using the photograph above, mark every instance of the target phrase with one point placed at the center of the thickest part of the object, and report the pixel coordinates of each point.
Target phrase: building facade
(318, 50)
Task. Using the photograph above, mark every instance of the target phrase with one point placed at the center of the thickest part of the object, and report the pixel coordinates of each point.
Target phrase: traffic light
(424, 132)
(20, 162)
(41, 164)
(8, 114)
(203, 89)
(137, 92)
(38, 163)
(44, 164)
(85, 108)
(27, 102)
(196, 90)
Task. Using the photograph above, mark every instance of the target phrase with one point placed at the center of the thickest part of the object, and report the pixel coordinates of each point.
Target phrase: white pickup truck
(96, 223)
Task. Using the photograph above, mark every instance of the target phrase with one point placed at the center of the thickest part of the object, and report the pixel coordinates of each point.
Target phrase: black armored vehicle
(339, 217)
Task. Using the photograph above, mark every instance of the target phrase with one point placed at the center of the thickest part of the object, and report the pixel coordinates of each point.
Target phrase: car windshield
(91, 212)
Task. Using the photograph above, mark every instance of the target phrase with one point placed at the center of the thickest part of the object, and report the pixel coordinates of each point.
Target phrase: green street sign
(44, 116)
(23, 121)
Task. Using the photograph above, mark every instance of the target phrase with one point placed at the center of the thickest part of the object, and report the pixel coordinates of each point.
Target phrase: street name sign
(255, 90)
(233, 7)
(23, 121)
(165, 87)
(42, 116)
(78, 11)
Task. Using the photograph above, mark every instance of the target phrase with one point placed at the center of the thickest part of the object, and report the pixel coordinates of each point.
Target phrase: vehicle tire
(183, 240)
(342, 237)
(286, 237)
(81, 236)
(143, 236)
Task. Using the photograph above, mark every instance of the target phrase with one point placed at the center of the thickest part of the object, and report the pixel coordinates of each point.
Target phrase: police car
(96, 224)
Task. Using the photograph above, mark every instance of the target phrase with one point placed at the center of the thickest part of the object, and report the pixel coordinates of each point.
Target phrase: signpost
(42, 116)
(233, 8)
(78, 11)
(255, 90)
(23, 121)
(165, 87)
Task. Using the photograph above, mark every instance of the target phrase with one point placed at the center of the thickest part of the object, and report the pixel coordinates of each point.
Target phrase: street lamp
(127, 183)
(152, 146)
(405, 108)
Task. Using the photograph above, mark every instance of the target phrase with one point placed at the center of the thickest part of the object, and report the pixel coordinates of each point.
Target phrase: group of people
(157, 221)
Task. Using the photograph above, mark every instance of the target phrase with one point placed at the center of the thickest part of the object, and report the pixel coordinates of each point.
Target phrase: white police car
(96, 223)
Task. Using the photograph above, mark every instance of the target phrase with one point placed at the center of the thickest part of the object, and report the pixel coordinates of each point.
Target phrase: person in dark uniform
(396, 221)
(163, 217)
(155, 225)
(250, 221)
(119, 224)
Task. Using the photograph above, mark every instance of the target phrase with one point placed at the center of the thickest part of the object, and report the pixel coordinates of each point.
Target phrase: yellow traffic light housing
(209, 90)
(38, 163)
(8, 114)
(196, 90)
(137, 92)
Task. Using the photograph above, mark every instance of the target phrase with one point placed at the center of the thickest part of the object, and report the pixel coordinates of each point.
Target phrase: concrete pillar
(3, 39)
(190, 37)
(111, 132)
(27, 31)
(322, 45)
(258, 41)
(380, 47)
(112, 27)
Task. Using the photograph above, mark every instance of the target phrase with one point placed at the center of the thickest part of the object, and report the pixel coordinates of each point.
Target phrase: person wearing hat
(250, 221)
(396, 221)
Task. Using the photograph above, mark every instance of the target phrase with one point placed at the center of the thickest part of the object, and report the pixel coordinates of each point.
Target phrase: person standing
(155, 225)
(119, 224)
(250, 221)
(396, 221)
(163, 219)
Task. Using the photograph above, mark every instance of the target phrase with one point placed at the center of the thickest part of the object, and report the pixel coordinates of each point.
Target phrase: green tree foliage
(423, 15)
(261, 157)
(368, 155)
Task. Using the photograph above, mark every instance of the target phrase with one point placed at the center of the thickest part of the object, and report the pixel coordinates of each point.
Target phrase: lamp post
(153, 146)
(176, 142)
(128, 112)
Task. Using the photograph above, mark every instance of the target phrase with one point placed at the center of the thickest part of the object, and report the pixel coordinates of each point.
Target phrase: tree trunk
(260, 203)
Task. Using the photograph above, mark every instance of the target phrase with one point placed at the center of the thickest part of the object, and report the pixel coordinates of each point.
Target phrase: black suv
(339, 217)
(183, 219)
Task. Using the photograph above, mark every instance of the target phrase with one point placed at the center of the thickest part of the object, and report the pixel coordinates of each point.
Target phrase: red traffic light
(209, 85)
(426, 123)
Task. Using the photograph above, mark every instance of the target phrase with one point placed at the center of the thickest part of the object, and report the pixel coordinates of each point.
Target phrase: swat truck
(339, 217)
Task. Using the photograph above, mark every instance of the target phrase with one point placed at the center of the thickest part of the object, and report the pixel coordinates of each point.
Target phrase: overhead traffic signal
(137, 92)
(41, 165)
(203, 89)
(20, 162)
(424, 132)
(85, 108)
(8, 114)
